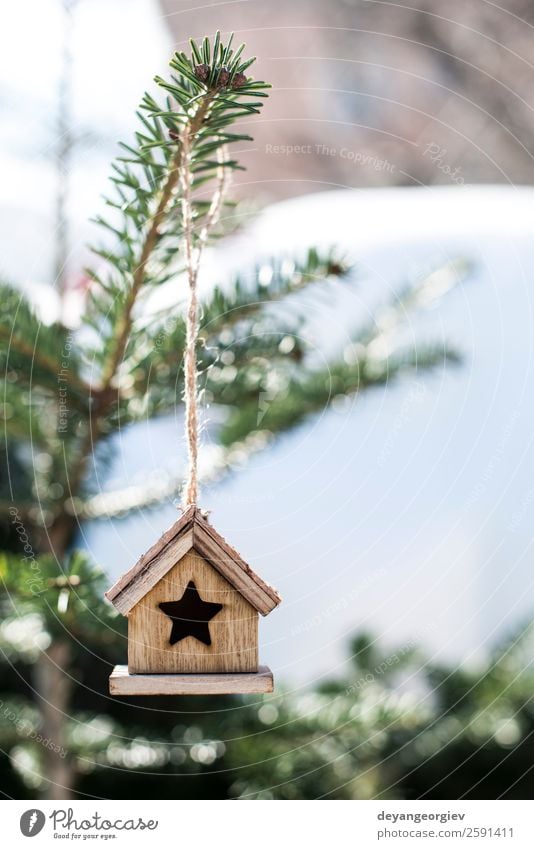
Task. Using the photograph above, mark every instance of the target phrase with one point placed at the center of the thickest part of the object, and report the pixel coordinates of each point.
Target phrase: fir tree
(65, 394)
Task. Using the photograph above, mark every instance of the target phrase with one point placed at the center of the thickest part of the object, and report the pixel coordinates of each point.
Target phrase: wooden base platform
(121, 683)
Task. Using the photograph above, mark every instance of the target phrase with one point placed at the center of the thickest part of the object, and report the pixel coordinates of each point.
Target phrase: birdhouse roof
(191, 531)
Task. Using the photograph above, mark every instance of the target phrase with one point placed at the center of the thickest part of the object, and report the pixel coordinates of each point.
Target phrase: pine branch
(68, 597)
(204, 101)
(270, 282)
(36, 351)
(303, 397)
(242, 435)
(234, 323)
(202, 105)
(163, 485)
(276, 403)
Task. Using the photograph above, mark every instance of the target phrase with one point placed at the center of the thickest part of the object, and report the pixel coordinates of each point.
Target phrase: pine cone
(202, 72)
(223, 78)
(239, 80)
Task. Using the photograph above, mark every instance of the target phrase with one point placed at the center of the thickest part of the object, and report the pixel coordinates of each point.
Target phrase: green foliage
(32, 353)
(235, 324)
(66, 392)
(204, 100)
(396, 726)
(66, 599)
(303, 388)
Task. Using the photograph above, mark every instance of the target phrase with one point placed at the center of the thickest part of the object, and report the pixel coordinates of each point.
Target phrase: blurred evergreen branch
(395, 726)
(66, 392)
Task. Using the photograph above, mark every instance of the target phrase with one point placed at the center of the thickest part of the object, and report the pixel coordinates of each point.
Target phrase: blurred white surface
(409, 512)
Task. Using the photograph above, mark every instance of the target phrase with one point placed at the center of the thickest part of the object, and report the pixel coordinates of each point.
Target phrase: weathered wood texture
(192, 530)
(122, 683)
(153, 564)
(234, 630)
(231, 565)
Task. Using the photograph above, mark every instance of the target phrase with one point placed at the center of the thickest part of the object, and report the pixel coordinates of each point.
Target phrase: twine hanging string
(192, 257)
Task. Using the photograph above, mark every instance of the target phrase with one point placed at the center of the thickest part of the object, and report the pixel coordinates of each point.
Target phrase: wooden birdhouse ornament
(193, 607)
(192, 603)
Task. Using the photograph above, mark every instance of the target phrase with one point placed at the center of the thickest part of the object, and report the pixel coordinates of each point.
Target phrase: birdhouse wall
(233, 630)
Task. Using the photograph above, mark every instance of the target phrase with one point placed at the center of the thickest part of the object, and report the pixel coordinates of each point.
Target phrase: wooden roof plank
(154, 571)
(215, 549)
(191, 530)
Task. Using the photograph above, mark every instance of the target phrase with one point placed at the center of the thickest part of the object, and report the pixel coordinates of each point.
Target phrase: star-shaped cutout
(190, 616)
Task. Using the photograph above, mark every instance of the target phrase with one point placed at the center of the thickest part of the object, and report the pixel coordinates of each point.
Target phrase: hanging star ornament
(190, 616)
